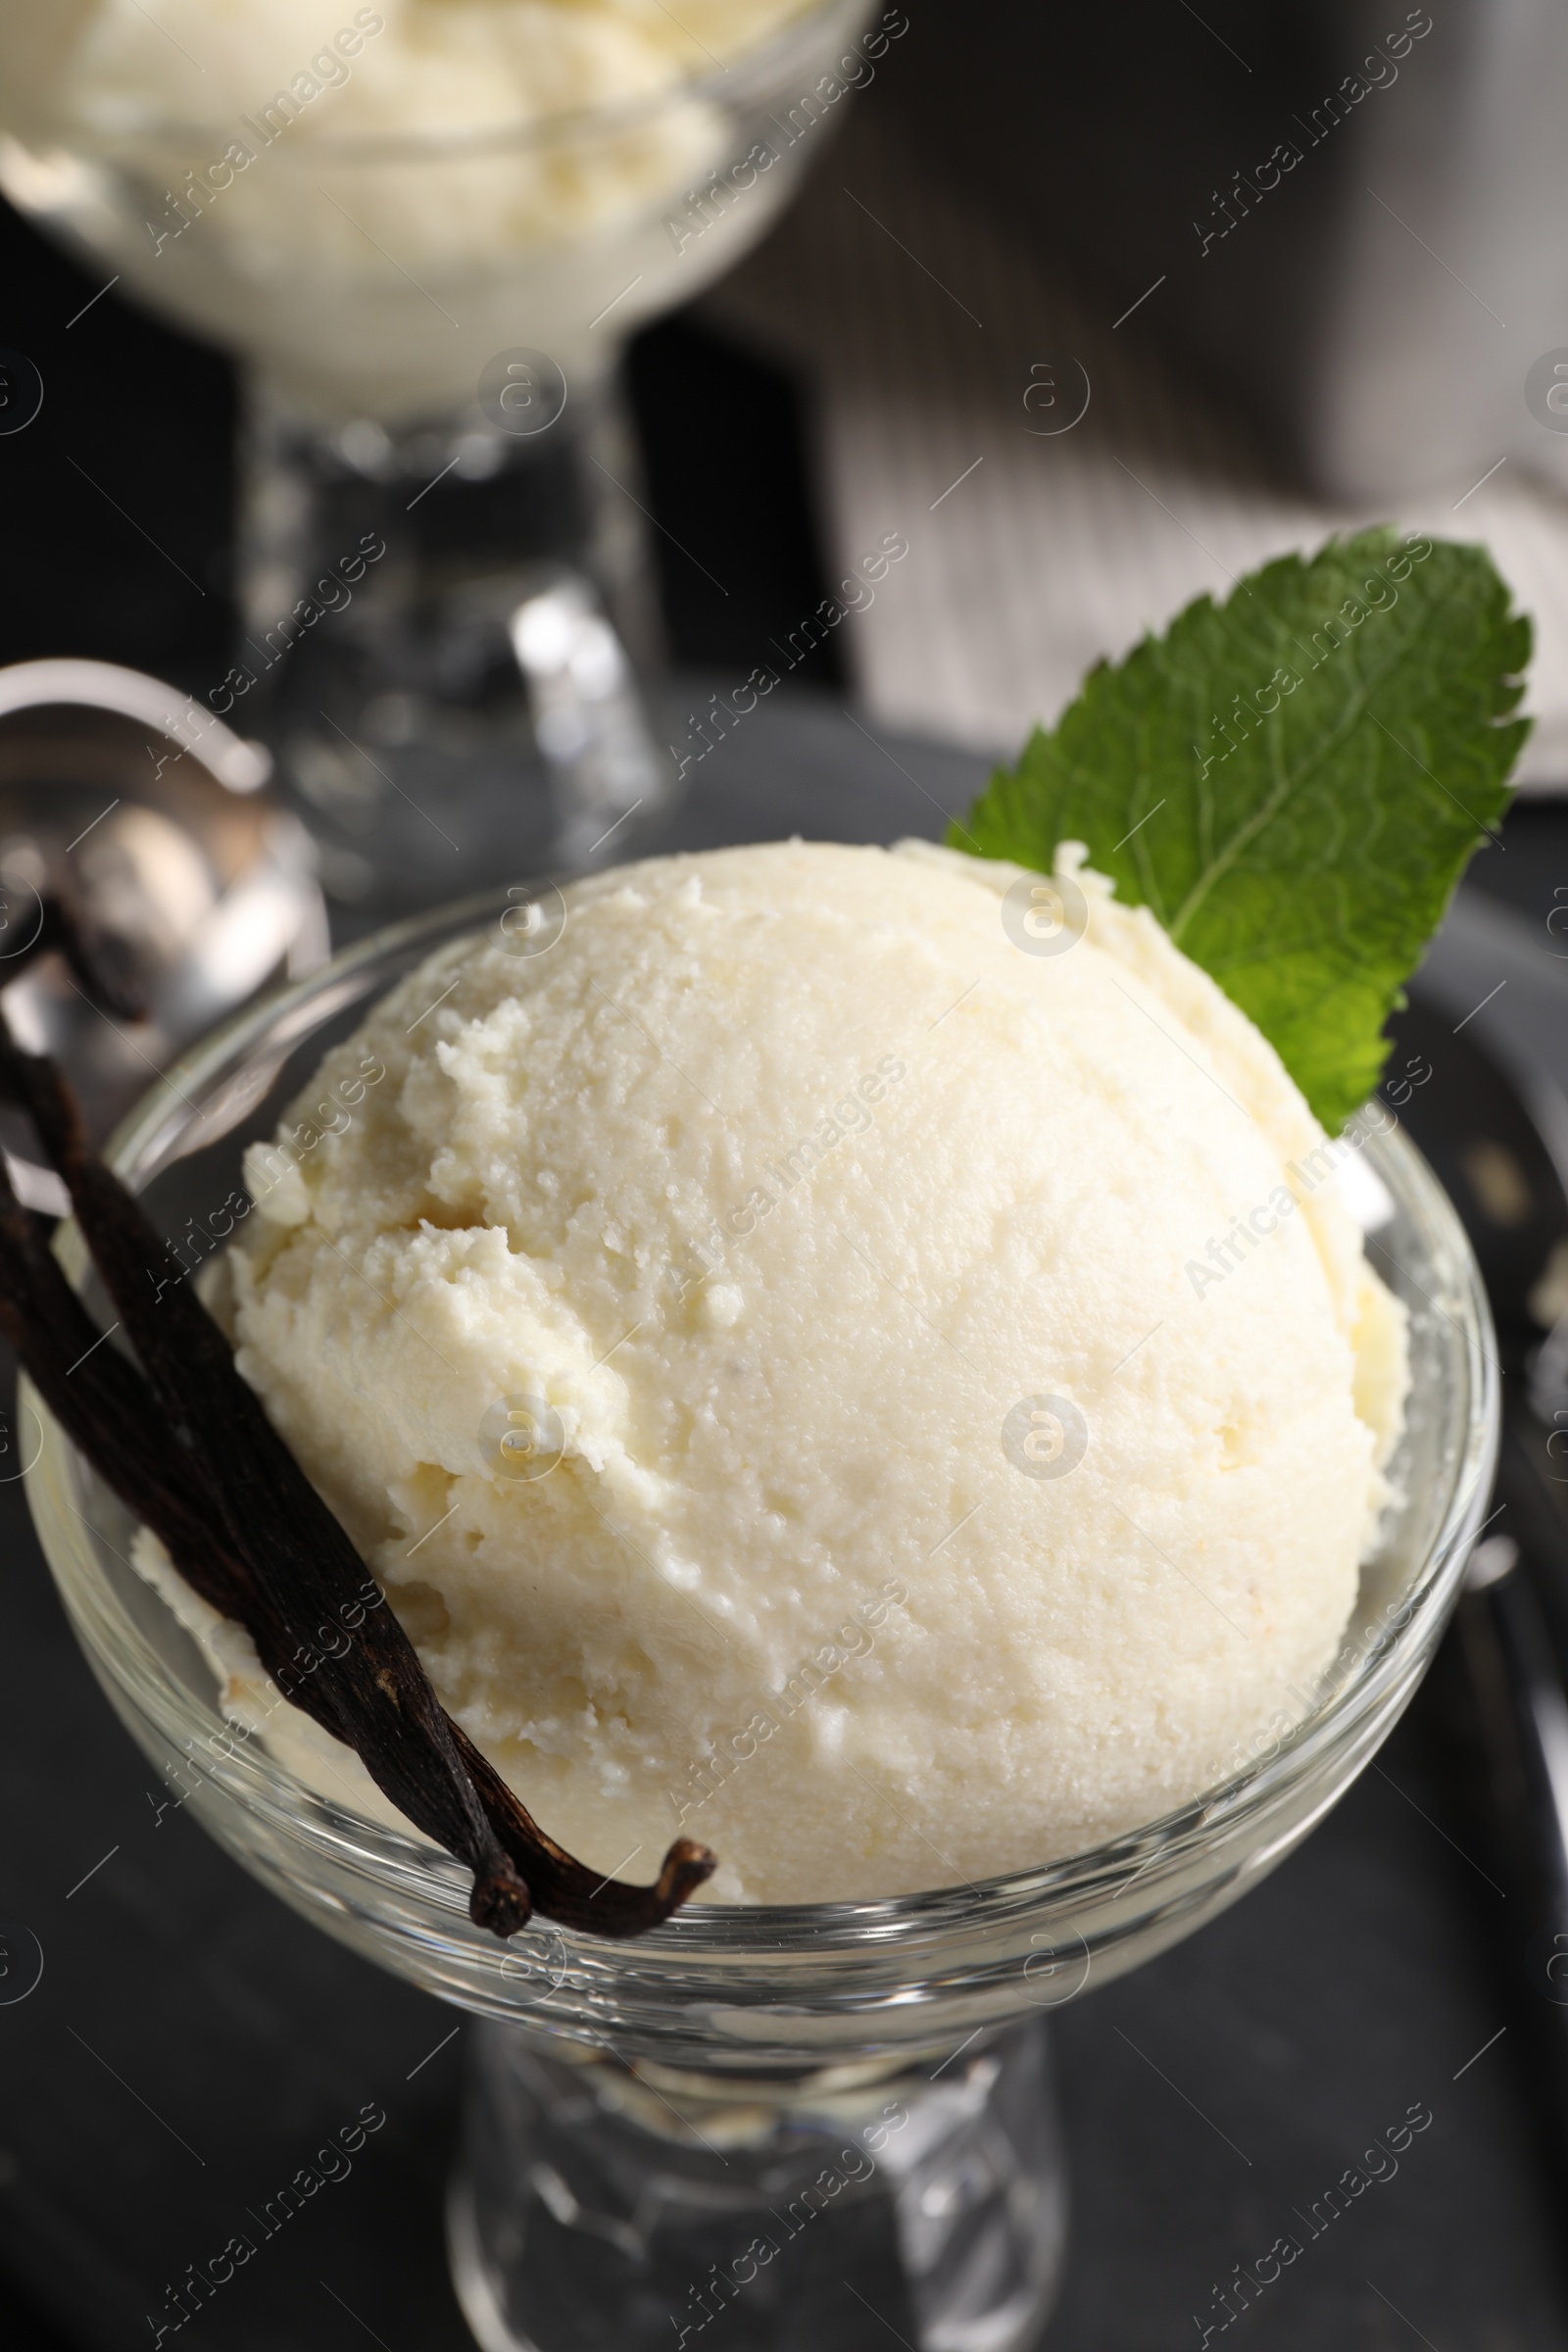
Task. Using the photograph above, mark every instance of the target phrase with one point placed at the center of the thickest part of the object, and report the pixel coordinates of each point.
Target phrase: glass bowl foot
(601, 2203)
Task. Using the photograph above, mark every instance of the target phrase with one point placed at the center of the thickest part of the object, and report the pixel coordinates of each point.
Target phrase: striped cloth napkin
(944, 365)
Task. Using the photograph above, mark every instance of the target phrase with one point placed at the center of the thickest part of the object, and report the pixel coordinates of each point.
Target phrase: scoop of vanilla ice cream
(766, 1339)
(484, 73)
(405, 66)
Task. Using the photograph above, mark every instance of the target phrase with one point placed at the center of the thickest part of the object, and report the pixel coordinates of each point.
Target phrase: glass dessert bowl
(449, 629)
(652, 2124)
(368, 245)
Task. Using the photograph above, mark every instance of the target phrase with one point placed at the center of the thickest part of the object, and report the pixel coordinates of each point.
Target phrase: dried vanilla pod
(190, 1450)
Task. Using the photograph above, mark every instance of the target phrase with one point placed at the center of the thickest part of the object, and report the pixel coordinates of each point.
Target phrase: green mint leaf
(1294, 782)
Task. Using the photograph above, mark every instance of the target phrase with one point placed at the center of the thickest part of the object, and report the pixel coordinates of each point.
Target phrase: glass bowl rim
(754, 66)
(716, 1932)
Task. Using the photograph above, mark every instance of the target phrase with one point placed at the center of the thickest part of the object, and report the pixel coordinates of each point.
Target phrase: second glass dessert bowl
(652, 2124)
(449, 626)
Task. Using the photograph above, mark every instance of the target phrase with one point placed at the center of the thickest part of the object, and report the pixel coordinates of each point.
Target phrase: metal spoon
(124, 797)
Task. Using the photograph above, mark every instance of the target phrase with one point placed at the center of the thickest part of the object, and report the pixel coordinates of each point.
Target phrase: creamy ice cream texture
(757, 1338)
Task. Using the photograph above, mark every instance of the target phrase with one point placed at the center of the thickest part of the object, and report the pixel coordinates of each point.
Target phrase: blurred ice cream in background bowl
(428, 228)
(314, 194)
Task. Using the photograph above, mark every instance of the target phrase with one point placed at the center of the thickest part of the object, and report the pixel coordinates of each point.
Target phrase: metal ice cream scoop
(124, 799)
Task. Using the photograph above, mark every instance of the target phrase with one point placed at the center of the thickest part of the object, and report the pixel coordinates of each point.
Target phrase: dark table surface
(191, 2042)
